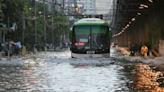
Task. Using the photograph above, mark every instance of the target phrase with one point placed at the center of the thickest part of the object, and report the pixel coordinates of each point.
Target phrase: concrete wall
(147, 29)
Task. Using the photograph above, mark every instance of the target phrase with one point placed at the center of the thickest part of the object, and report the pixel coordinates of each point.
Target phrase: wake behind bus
(90, 37)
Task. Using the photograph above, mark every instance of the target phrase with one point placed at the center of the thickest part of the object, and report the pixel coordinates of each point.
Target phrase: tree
(59, 26)
(13, 10)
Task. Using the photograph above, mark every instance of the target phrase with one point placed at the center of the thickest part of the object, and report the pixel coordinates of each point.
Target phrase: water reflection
(49, 74)
(13, 78)
(146, 78)
(16, 77)
(51, 77)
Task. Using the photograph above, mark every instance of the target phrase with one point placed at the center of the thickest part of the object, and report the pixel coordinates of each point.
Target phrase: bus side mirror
(71, 48)
(70, 34)
(110, 33)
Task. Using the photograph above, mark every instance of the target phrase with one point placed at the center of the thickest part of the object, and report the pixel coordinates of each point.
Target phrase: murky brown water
(145, 77)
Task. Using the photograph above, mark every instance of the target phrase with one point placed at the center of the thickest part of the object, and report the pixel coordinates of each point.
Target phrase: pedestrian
(16, 50)
(132, 50)
(144, 51)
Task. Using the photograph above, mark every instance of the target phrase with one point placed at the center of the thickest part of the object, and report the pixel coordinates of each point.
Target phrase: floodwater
(57, 72)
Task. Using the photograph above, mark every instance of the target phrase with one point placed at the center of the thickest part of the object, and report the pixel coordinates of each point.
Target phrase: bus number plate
(90, 52)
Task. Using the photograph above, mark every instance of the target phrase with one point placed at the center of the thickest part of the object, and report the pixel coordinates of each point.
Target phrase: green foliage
(14, 9)
(4, 29)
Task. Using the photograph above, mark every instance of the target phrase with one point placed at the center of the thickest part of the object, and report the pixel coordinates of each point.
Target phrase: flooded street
(81, 46)
(57, 72)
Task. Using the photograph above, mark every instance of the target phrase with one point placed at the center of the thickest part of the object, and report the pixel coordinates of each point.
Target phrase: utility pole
(52, 24)
(75, 10)
(8, 38)
(45, 47)
(1, 20)
(35, 44)
(63, 5)
(23, 44)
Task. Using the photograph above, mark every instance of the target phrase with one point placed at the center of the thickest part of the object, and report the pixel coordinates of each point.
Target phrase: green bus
(90, 37)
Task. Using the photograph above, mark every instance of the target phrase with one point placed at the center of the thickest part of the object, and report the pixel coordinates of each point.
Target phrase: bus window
(99, 37)
(82, 35)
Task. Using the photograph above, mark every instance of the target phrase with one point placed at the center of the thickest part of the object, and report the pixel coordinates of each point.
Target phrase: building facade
(89, 6)
(103, 7)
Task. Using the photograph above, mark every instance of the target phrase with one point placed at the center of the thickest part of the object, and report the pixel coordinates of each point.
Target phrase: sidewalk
(29, 54)
(125, 51)
(16, 56)
(148, 59)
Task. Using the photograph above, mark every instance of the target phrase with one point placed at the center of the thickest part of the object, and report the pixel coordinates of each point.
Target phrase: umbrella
(19, 42)
(19, 45)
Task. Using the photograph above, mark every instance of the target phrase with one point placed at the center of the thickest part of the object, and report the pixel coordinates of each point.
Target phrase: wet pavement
(57, 72)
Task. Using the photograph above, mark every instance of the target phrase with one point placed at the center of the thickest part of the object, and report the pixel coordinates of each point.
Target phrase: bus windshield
(82, 36)
(99, 36)
(91, 37)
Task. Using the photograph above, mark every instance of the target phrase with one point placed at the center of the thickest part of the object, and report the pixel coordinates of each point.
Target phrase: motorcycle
(132, 53)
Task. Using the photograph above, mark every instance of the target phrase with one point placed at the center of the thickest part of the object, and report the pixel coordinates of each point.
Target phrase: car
(114, 45)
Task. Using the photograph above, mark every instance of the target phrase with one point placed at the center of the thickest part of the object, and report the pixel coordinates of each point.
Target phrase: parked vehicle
(133, 50)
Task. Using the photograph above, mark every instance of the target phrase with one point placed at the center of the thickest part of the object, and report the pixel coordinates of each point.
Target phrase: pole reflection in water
(16, 78)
